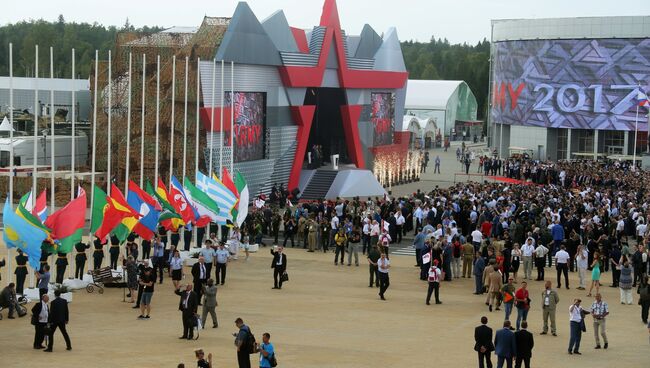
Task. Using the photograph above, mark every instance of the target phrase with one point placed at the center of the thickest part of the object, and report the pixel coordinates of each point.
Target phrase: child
(245, 243)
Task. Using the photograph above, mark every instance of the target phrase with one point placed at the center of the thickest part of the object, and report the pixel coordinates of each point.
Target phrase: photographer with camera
(577, 326)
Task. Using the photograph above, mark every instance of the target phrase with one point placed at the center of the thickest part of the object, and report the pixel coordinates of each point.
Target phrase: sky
(457, 20)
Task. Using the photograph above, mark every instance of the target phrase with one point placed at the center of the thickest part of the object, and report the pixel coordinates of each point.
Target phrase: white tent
(6, 125)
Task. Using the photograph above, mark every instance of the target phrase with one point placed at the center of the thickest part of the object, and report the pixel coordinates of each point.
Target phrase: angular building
(288, 91)
(567, 88)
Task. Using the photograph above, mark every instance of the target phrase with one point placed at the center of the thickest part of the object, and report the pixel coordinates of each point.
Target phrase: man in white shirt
(477, 238)
(383, 265)
(399, 225)
(527, 254)
(582, 262)
(575, 322)
(562, 258)
(40, 317)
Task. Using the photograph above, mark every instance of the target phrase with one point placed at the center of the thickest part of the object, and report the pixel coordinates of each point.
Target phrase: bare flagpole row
(171, 143)
(35, 146)
(128, 129)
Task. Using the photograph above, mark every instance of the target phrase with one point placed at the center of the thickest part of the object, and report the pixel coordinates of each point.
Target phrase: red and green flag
(67, 223)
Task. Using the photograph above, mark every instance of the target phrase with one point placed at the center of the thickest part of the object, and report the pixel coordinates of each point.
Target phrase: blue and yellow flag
(19, 233)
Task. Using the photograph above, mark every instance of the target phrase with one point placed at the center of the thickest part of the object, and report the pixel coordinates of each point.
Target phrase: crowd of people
(583, 217)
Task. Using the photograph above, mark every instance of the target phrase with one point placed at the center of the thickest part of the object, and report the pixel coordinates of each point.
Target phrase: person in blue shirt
(208, 254)
(418, 244)
(267, 353)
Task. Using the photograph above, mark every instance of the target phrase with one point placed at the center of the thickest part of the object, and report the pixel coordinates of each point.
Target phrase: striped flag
(204, 205)
(643, 99)
(224, 198)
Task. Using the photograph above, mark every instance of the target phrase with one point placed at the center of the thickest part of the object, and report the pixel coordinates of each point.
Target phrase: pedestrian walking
(434, 282)
(383, 265)
(550, 298)
(599, 312)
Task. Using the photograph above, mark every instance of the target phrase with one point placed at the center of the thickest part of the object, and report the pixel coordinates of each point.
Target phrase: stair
(319, 184)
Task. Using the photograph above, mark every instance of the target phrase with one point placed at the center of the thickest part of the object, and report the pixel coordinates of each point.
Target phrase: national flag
(204, 205)
(180, 201)
(26, 214)
(169, 219)
(242, 206)
(38, 208)
(222, 196)
(643, 99)
(124, 228)
(226, 179)
(67, 223)
(19, 233)
(107, 213)
(148, 208)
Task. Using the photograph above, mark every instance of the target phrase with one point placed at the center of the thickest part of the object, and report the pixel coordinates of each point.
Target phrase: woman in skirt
(176, 268)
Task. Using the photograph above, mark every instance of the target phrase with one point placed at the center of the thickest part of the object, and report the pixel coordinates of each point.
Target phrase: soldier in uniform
(275, 223)
(98, 254)
(311, 237)
(61, 264)
(80, 259)
(468, 259)
(21, 271)
(302, 221)
(44, 254)
(114, 251)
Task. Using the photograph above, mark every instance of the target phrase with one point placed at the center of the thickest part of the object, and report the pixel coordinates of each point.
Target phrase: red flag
(68, 219)
(226, 179)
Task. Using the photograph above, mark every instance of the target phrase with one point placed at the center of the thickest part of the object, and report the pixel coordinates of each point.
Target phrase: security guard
(61, 264)
(114, 251)
(80, 260)
(45, 246)
(98, 253)
(21, 271)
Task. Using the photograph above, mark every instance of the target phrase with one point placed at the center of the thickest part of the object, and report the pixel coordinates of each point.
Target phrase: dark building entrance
(327, 126)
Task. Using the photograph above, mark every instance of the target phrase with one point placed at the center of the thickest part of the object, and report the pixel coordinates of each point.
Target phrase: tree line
(436, 59)
(63, 36)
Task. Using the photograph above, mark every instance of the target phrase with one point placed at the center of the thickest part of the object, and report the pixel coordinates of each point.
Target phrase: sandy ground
(326, 316)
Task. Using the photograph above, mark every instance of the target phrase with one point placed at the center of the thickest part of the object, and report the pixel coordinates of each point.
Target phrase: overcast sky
(457, 20)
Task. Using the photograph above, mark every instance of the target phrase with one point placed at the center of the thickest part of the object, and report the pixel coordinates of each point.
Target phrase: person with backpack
(267, 352)
(245, 343)
(434, 282)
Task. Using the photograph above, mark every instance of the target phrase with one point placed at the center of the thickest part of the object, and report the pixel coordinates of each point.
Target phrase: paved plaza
(325, 316)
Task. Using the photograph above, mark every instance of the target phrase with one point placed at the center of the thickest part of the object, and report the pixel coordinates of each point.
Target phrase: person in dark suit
(61, 265)
(200, 276)
(483, 343)
(80, 259)
(279, 266)
(21, 271)
(98, 253)
(505, 347)
(524, 341)
(40, 316)
(188, 305)
(59, 317)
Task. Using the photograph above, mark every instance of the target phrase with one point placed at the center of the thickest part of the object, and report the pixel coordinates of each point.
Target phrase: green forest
(436, 59)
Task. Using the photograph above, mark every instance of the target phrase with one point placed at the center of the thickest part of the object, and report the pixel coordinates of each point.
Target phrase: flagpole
(11, 149)
(52, 159)
(74, 116)
(144, 84)
(157, 118)
(211, 153)
(232, 116)
(171, 145)
(196, 133)
(36, 107)
(221, 92)
(128, 130)
(636, 131)
(110, 115)
(94, 151)
(11, 121)
(185, 119)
